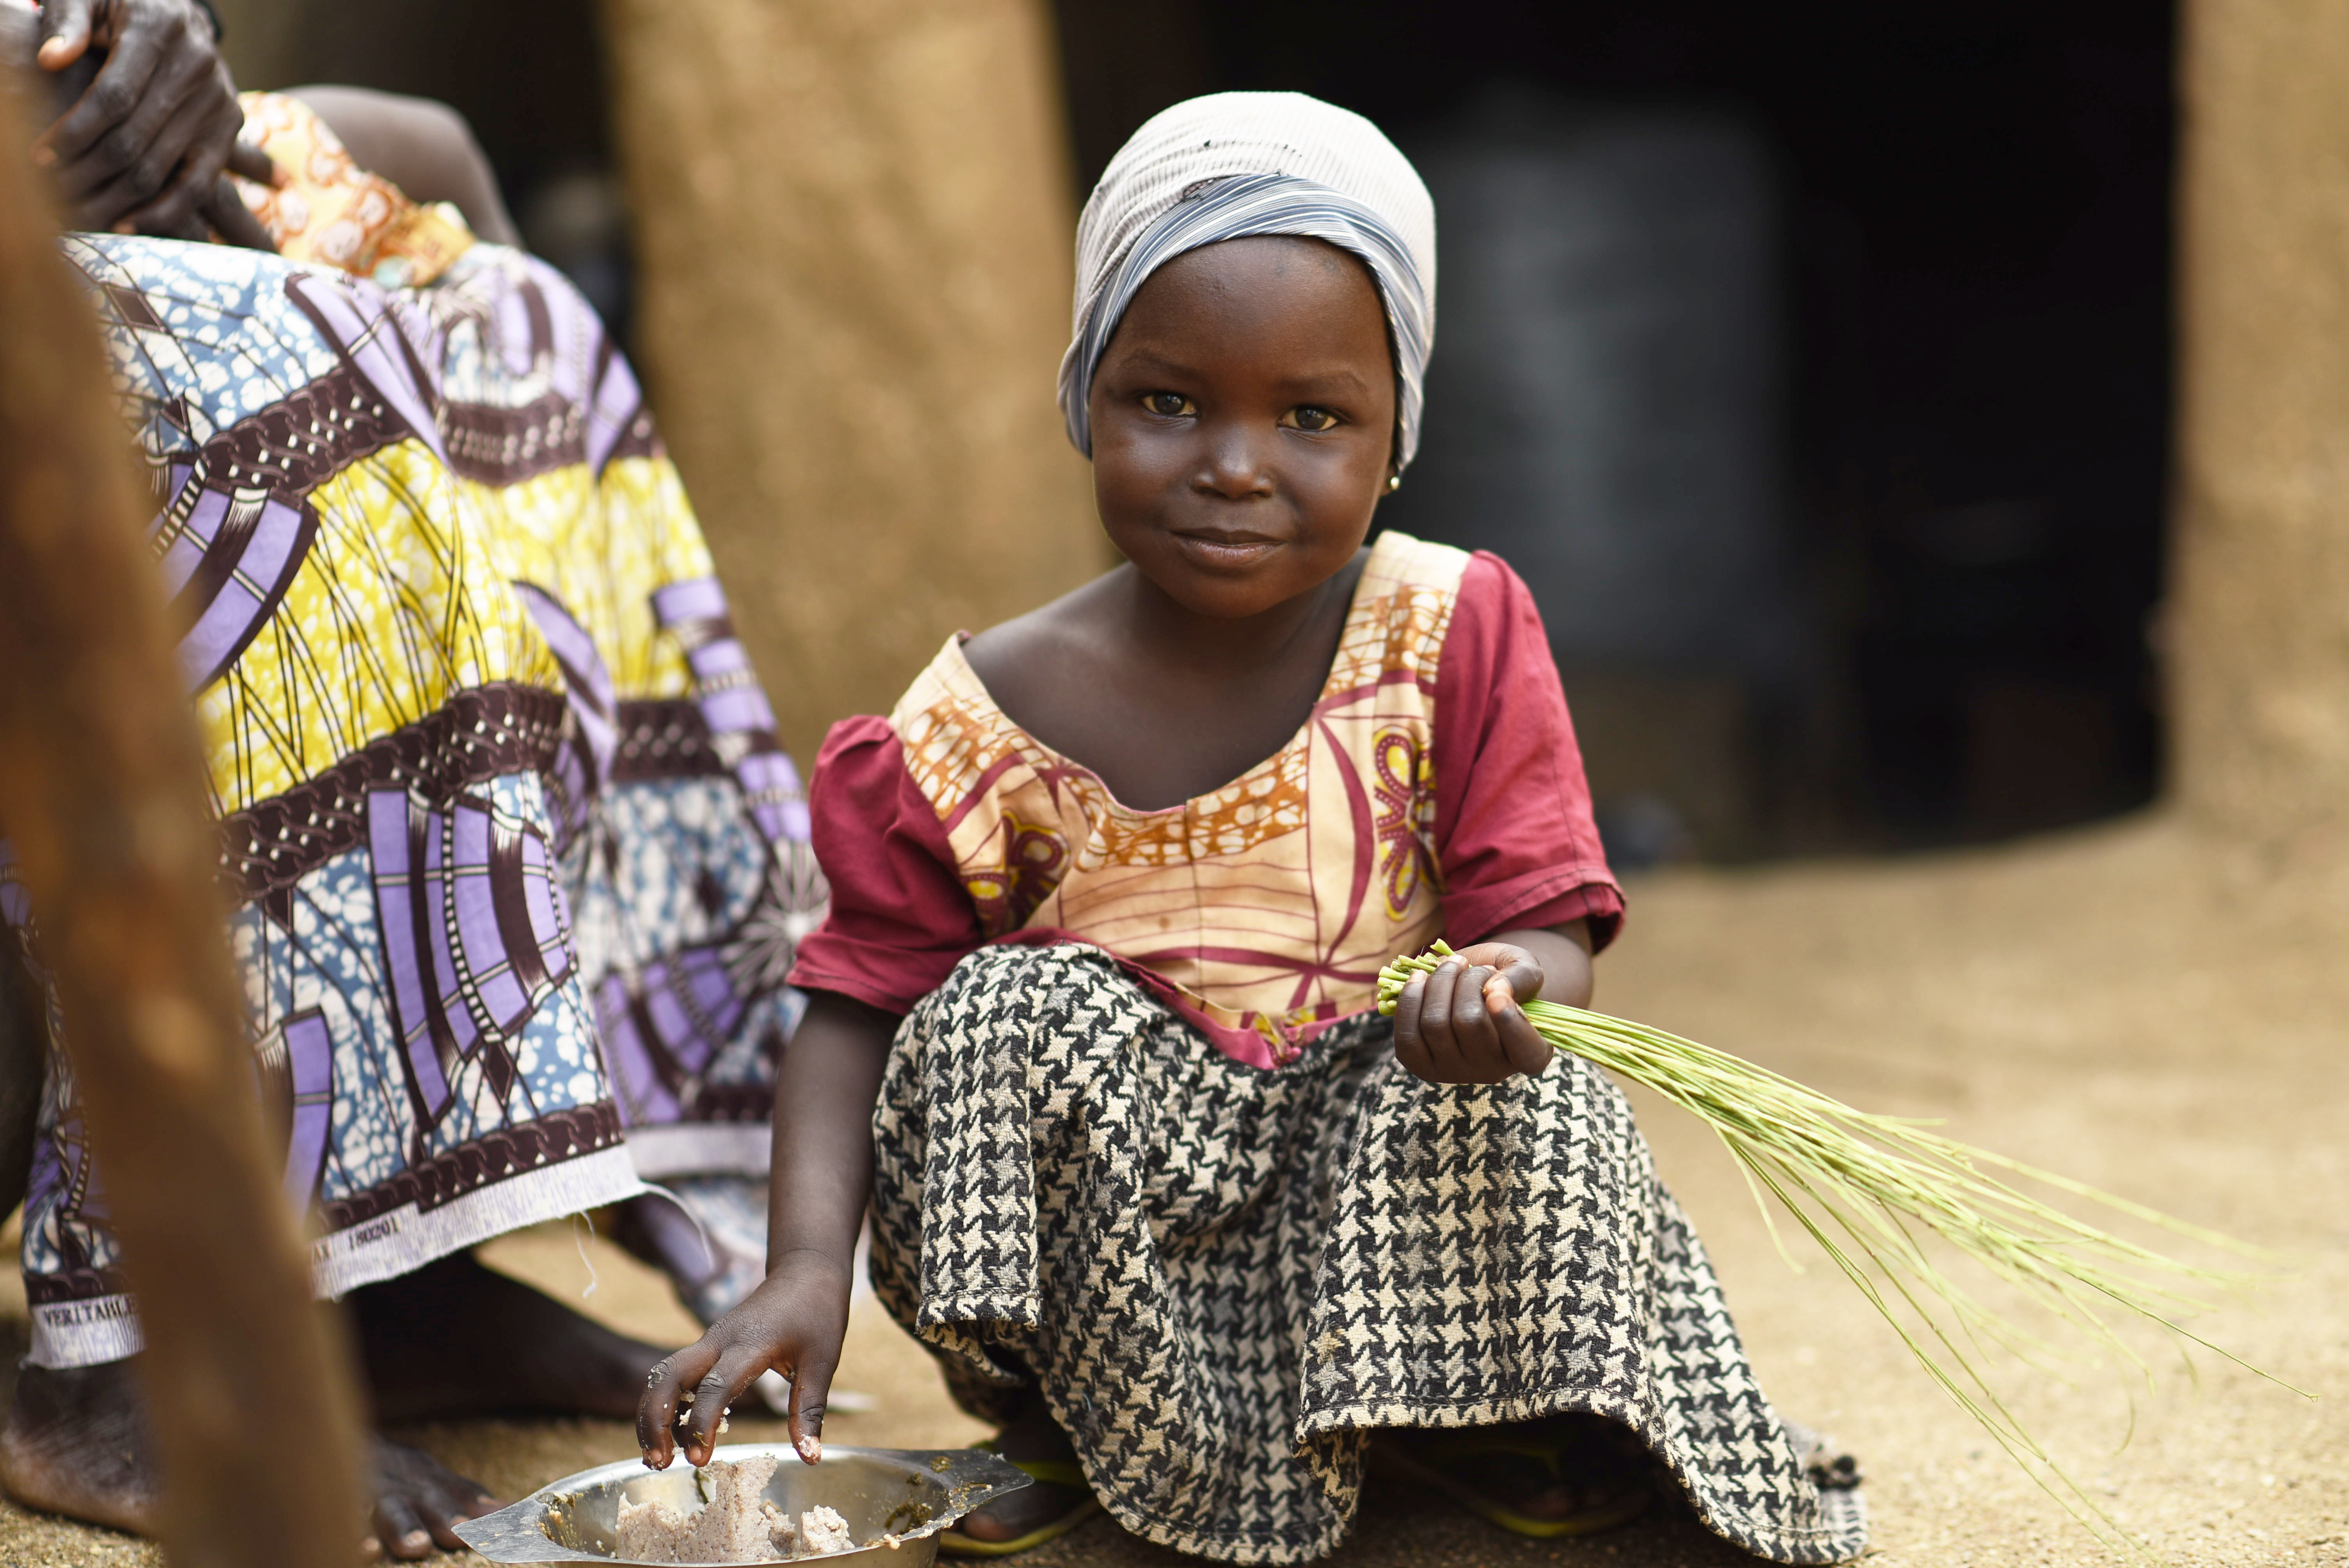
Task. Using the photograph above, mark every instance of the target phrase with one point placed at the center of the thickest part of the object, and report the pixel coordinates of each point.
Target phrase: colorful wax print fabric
(325, 208)
(1434, 789)
(518, 866)
(1270, 904)
(1224, 1279)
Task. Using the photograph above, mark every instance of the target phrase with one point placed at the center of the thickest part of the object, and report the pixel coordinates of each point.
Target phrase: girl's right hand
(793, 1322)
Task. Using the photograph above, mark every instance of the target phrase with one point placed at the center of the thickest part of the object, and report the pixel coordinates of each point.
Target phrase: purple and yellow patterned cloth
(518, 865)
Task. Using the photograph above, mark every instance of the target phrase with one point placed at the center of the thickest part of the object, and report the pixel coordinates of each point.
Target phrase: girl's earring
(1394, 483)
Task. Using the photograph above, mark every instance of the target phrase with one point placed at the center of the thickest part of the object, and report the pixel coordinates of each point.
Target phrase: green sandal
(1444, 1455)
(1050, 1472)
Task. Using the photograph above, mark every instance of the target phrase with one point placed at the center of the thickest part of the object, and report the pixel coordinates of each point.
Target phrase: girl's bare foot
(1031, 1436)
(76, 1443)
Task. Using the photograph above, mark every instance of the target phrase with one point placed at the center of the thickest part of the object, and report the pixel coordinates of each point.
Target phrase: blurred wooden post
(2257, 625)
(101, 792)
(853, 227)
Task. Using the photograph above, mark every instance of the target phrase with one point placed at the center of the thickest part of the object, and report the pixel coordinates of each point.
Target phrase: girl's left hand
(1464, 1024)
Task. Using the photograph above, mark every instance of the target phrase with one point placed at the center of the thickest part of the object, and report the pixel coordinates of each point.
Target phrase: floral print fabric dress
(1142, 1142)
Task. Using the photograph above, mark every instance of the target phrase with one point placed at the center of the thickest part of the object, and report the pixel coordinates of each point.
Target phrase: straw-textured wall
(852, 224)
(2259, 626)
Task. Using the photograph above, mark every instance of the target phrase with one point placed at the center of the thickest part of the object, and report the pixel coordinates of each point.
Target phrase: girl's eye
(1312, 417)
(1172, 404)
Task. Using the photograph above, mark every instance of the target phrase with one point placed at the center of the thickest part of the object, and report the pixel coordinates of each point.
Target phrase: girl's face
(1242, 420)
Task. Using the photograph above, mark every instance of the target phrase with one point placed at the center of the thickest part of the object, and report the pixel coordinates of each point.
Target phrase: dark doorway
(527, 74)
(1927, 488)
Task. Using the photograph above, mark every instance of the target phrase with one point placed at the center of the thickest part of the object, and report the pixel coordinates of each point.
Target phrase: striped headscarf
(1232, 164)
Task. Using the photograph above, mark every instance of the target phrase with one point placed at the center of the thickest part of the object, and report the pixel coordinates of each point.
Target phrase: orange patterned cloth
(1268, 904)
(330, 210)
(1261, 911)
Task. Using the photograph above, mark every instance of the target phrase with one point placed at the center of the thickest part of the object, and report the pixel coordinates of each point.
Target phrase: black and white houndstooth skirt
(1223, 1278)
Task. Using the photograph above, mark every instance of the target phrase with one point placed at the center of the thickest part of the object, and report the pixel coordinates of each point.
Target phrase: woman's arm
(423, 147)
(820, 1181)
(140, 116)
(1466, 1022)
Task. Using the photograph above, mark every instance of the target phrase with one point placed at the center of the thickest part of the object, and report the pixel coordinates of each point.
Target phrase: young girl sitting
(1091, 1023)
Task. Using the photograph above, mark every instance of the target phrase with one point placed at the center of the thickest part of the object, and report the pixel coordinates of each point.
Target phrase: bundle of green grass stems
(1867, 1187)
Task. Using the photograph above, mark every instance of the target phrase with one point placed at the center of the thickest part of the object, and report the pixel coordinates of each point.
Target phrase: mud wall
(853, 221)
(2257, 626)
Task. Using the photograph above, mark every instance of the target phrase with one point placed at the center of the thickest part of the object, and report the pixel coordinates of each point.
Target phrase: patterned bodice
(1266, 906)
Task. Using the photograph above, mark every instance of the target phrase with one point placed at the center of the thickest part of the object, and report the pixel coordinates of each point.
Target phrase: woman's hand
(144, 149)
(1466, 1023)
(794, 1322)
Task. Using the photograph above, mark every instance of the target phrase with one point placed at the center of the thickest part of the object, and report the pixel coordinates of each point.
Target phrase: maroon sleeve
(900, 920)
(1514, 835)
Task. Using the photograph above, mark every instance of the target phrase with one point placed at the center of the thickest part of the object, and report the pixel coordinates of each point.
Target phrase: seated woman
(519, 866)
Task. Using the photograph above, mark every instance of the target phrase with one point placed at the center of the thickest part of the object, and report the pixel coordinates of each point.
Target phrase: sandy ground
(2133, 1006)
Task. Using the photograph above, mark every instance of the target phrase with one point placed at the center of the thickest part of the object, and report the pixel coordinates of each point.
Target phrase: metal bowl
(911, 1494)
